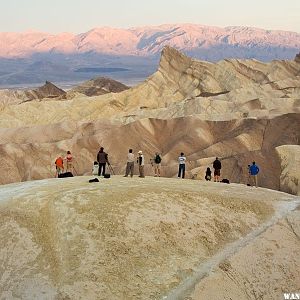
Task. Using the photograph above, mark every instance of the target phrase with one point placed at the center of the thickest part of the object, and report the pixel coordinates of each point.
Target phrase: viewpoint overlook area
(154, 238)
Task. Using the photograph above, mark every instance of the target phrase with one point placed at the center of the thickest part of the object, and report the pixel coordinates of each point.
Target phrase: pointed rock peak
(168, 51)
(100, 86)
(49, 90)
(171, 55)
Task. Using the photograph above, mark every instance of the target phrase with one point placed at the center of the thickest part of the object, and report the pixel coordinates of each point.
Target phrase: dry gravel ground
(132, 238)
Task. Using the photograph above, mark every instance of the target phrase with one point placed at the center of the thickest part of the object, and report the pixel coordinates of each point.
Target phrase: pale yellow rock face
(123, 238)
(265, 269)
(290, 168)
(251, 87)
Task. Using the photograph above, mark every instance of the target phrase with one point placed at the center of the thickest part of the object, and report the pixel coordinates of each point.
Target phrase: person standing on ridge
(157, 164)
(69, 160)
(130, 164)
(102, 158)
(217, 170)
(181, 161)
(254, 170)
(141, 163)
(59, 164)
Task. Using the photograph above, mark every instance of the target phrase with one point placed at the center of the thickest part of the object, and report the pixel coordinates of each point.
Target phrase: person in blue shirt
(254, 170)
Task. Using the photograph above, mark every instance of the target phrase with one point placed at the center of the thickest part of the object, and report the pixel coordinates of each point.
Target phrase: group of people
(102, 160)
(217, 171)
(99, 167)
(252, 173)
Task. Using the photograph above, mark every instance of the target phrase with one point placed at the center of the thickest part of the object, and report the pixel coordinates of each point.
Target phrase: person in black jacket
(217, 170)
(102, 159)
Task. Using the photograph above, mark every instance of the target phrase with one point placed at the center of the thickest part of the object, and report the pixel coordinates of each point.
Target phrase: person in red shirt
(59, 163)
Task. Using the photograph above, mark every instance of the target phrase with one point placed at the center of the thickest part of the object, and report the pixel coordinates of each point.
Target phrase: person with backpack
(102, 159)
(59, 164)
(254, 170)
(208, 174)
(130, 164)
(157, 164)
(217, 170)
(141, 163)
(181, 161)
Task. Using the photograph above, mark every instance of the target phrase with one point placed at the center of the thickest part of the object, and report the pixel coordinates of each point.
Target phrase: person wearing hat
(141, 163)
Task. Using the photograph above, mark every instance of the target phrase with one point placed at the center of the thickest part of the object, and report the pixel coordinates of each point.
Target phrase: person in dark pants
(181, 160)
(102, 159)
(217, 172)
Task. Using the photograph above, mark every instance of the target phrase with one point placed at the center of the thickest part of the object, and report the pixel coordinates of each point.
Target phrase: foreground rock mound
(136, 239)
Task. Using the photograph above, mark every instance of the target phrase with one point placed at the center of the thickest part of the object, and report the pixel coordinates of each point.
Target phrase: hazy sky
(82, 15)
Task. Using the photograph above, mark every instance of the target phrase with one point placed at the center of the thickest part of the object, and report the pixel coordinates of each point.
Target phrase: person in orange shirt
(59, 163)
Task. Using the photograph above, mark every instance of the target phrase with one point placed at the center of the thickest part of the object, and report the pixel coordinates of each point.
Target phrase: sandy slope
(123, 238)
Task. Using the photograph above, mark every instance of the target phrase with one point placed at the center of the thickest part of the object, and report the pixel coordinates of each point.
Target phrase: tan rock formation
(15, 97)
(290, 168)
(239, 110)
(249, 274)
(139, 239)
(99, 86)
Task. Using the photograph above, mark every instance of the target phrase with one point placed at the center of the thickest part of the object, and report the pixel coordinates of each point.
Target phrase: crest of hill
(99, 86)
(238, 86)
(47, 91)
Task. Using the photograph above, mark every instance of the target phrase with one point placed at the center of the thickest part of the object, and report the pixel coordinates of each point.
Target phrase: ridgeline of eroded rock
(239, 110)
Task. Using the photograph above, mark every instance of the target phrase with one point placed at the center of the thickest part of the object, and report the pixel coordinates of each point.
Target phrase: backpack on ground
(225, 180)
(106, 176)
(67, 174)
(94, 180)
(157, 159)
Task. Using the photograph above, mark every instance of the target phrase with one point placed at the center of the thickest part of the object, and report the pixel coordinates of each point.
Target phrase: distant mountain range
(23, 55)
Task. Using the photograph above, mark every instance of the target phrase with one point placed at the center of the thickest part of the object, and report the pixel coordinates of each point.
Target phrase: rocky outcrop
(47, 91)
(99, 86)
(290, 168)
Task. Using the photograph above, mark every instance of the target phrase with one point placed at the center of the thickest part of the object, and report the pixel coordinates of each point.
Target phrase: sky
(82, 15)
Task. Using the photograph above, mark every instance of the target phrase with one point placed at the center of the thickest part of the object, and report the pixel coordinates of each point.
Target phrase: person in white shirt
(141, 163)
(181, 161)
(130, 164)
(95, 168)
